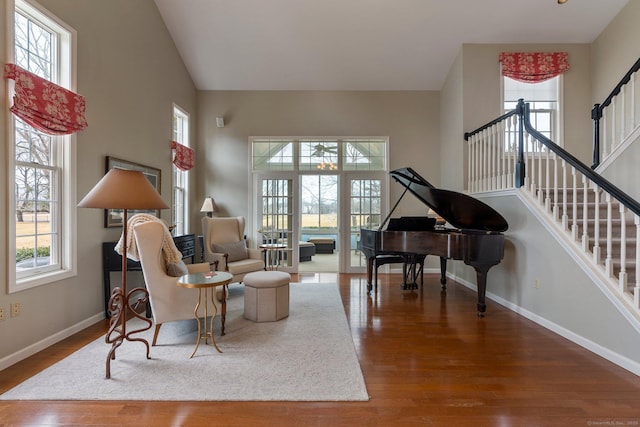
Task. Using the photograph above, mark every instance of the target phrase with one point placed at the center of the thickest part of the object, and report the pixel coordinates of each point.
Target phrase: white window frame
(557, 116)
(179, 178)
(65, 159)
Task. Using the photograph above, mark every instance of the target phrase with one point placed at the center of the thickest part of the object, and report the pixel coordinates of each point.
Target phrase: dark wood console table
(112, 261)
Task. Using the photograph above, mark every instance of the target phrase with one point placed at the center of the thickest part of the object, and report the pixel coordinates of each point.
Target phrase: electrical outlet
(15, 309)
(536, 283)
(3, 315)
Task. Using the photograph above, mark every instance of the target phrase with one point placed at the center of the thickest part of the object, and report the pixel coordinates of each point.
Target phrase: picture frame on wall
(113, 217)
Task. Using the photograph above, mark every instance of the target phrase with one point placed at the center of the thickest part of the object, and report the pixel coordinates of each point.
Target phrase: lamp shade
(123, 189)
(209, 205)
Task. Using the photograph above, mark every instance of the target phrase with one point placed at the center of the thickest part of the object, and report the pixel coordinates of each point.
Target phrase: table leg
(223, 314)
(215, 311)
(208, 329)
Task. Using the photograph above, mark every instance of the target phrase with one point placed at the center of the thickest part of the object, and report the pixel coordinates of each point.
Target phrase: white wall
(130, 73)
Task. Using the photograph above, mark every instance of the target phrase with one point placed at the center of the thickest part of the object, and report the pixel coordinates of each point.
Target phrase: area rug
(309, 356)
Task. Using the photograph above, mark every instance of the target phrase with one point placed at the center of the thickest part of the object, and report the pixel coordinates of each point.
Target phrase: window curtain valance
(44, 105)
(533, 67)
(183, 156)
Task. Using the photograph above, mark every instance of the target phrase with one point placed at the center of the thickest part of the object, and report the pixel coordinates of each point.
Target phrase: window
(314, 155)
(544, 103)
(319, 201)
(180, 208)
(42, 202)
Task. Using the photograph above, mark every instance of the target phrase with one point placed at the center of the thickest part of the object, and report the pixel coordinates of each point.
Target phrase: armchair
(169, 302)
(225, 245)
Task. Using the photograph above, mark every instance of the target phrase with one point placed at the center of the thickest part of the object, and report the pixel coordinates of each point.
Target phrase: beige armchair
(169, 302)
(224, 244)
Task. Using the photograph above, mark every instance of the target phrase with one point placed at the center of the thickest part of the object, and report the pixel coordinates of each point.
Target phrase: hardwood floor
(426, 358)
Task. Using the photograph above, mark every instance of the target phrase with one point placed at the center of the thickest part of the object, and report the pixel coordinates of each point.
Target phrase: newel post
(596, 115)
(520, 165)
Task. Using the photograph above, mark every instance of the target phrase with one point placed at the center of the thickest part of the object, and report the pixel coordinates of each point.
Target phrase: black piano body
(476, 236)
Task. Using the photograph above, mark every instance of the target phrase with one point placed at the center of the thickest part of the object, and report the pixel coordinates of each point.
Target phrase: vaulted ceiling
(360, 44)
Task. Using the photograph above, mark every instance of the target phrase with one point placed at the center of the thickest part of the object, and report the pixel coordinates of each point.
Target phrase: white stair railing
(616, 120)
(601, 220)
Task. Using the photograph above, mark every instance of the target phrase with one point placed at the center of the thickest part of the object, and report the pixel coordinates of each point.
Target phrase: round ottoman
(266, 295)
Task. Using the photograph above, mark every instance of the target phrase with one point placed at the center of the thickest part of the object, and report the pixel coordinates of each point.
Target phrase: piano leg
(370, 274)
(481, 274)
(443, 272)
(421, 269)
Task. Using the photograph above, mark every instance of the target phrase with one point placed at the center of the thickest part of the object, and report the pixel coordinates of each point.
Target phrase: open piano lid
(459, 210)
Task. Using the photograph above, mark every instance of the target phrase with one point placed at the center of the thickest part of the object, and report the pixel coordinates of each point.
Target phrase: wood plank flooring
(426, 358)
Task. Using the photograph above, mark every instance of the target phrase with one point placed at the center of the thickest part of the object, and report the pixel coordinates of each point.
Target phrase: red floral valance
(533, 67)
(183, 156)
(44, 105)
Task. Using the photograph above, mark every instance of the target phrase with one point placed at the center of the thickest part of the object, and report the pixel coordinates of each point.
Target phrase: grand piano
(474, 236)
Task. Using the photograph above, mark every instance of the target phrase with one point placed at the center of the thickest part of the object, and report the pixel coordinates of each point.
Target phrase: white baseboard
(618, 359)
(22, 354)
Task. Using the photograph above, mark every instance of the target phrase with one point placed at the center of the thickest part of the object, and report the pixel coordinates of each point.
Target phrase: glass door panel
(319, 220)
(276, 221)
(365, 211)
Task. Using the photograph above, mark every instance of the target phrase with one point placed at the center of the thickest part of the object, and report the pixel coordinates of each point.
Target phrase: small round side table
(204, 282)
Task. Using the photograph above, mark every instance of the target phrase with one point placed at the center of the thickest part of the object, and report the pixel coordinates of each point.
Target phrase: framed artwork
(113, 217)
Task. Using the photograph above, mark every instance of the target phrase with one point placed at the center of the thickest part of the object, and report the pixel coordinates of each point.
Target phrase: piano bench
(380, 260)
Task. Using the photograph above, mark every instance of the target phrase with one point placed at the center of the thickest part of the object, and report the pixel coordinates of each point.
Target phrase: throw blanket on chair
(171, 254)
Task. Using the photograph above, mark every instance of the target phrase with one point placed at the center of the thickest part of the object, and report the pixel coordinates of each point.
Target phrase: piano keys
(475, 235)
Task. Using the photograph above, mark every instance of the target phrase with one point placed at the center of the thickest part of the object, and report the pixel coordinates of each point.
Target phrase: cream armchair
(169, 302)
(225, 245)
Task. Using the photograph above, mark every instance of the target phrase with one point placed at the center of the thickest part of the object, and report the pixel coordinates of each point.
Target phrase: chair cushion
(177, 269)
(236, 250)
(245, 266)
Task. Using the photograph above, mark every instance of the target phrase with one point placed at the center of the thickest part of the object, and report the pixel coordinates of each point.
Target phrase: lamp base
(120, 307)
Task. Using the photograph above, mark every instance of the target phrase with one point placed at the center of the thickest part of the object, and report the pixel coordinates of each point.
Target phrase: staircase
(599, 221)
(604, 232)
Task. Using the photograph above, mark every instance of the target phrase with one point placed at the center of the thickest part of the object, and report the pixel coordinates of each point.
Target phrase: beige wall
(481, 83)
(532, 254)
(615, 50)
(409, 119)
(610, 64)
(452, 143)
(130, 73)
(567, 300)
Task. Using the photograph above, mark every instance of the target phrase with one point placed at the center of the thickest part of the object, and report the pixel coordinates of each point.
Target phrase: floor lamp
(123, 189)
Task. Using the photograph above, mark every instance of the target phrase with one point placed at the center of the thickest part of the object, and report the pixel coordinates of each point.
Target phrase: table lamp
(209, 206)
(123, 189)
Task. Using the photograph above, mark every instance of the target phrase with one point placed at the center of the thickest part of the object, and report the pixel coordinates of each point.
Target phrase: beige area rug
(309, 356)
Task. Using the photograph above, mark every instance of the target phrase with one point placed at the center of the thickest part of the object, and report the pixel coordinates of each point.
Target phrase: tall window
(544, 103)
(180, 209)
(42, 170)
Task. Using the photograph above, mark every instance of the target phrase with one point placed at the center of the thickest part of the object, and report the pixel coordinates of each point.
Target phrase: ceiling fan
(321, 150)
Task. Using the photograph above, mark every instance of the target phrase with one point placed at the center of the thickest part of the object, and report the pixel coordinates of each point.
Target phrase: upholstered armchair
(224, 244)
(169, 302)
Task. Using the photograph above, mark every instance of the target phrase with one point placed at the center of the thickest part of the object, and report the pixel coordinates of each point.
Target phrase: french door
(317, 188)
(291, 208)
